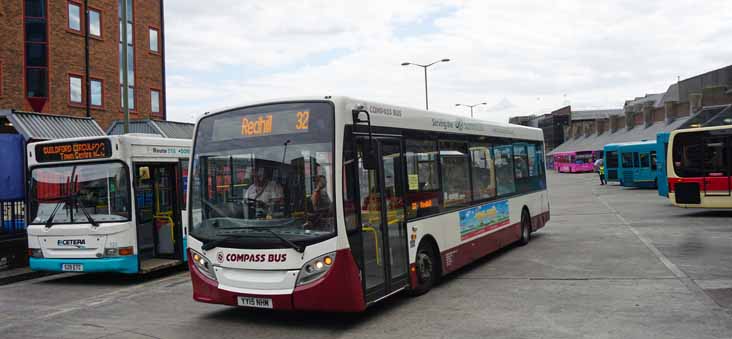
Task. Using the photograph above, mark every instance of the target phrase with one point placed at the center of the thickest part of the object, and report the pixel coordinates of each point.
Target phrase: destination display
(74, 150)
(260, 125)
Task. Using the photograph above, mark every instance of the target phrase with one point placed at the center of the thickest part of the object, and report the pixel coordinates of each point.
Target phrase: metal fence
(12, 218)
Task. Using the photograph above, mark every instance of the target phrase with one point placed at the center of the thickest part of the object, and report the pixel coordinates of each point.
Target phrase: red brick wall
(149, 65)
(66, 55)
(11, 36)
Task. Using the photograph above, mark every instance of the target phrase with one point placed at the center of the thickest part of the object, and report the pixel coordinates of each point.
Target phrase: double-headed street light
(471, 107)
(426, 100)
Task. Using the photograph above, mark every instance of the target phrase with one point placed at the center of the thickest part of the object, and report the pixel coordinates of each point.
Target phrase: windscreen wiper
(49, 221)
(295, 246)
(210, 244)
(83, 210)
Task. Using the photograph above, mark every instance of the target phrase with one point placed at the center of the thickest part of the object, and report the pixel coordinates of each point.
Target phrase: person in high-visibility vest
(600, 169)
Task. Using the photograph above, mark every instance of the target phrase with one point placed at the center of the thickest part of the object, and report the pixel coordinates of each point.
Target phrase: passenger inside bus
(319, 198)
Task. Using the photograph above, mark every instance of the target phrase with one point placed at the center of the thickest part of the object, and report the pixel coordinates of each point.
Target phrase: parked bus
(611, 162)
(638, 165)
(699, 167)
(662, 151)
(574, 162)
(109, 204)
(335, 203)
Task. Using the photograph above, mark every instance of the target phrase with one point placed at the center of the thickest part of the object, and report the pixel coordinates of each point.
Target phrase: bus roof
(700, 129)
(618, 144)
(398, 116)
(122, 147)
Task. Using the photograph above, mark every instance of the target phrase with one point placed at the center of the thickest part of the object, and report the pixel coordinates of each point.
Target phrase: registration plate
(72, 267)
(255, 302)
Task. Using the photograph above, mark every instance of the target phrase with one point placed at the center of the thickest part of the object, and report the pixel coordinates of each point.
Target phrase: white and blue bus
(107, 204)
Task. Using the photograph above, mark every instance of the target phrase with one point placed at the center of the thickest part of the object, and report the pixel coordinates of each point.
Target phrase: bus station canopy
(42, 126)
(596, 142)
(165, 129)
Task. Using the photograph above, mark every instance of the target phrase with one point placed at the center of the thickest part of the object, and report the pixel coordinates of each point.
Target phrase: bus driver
(265, 192)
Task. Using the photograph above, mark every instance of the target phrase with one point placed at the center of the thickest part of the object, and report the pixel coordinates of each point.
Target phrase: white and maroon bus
(334, 203)
(699, 167)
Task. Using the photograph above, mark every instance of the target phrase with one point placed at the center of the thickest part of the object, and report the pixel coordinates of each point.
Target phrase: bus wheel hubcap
(424, 264)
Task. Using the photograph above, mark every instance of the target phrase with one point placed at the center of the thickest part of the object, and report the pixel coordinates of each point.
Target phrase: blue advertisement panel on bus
(483, 218)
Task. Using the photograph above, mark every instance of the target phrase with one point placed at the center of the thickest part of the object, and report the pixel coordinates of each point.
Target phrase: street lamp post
(471, 107)
(426, 100)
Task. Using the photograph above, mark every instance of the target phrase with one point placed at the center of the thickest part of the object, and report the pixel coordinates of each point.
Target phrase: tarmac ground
(612, 263)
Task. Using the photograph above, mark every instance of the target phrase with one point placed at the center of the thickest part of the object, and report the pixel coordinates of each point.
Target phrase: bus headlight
(316, 268)
(203, 265)
(35, 253)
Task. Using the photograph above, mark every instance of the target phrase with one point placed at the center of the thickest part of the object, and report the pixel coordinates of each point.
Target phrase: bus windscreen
(83, 193)
(264, 169)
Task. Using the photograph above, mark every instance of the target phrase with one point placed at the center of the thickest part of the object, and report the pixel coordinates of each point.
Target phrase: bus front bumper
(126, 264)
(339, 290)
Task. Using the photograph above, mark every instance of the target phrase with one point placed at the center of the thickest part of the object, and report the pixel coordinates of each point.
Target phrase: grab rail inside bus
(376, 241)
(166, 217)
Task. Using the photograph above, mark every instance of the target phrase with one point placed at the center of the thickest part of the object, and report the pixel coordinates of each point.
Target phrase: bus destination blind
(75, 150)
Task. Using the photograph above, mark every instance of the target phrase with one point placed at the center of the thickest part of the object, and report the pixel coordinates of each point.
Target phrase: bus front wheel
(427, 269)
(525, 228)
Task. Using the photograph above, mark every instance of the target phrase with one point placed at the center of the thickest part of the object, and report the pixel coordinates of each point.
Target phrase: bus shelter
(17, 129)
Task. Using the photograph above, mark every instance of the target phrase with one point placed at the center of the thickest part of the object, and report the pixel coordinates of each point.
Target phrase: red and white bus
(574, 162)
(699, 167)
(334, 203)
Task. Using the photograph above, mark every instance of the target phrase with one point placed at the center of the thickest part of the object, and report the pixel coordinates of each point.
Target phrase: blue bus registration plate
(72, 267)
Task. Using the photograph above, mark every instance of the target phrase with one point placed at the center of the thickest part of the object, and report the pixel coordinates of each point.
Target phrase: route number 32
(302, 120)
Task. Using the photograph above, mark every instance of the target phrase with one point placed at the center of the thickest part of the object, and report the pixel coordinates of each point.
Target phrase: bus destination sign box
(75, 150)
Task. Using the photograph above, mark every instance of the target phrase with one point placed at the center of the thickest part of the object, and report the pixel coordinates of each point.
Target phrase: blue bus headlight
(315, 268)
(203, 265)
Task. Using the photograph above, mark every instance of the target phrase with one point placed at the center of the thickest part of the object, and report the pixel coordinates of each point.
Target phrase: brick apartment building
(63, 57)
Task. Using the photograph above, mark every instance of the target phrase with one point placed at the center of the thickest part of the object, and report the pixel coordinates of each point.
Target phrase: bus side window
(423, 193)
(644, 163)
(503, 157)
(455, 173)
(654, 161)
(483, 172)
(636, 161)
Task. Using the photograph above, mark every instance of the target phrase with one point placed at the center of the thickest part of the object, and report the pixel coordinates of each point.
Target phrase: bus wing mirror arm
(370, 160)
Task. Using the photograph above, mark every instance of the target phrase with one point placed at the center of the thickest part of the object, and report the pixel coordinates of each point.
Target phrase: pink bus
(574, 162)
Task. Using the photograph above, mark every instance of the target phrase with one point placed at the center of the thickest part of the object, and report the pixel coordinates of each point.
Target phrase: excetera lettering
(71, 242)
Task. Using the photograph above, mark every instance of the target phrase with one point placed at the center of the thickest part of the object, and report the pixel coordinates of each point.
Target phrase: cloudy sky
(521, 57)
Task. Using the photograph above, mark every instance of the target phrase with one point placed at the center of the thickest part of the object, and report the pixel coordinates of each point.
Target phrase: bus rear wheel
(427, 269)
(525, 228)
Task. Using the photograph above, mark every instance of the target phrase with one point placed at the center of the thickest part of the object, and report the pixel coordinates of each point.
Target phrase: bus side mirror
(370, 159)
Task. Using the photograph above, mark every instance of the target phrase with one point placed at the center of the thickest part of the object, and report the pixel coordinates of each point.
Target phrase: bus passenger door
(383, 227)
(717, 166)
(158, 224)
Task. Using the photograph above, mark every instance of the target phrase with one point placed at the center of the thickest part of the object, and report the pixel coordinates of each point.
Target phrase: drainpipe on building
(164, 93)
(86, 59)
(125, 80)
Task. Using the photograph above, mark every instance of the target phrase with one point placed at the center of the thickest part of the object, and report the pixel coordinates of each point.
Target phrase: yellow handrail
(376, 241)
(172, 224)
